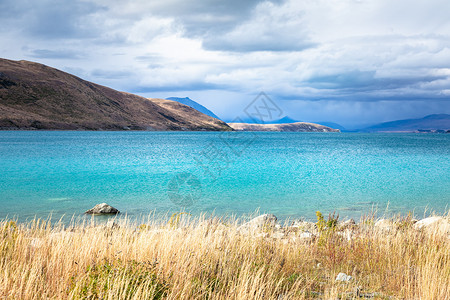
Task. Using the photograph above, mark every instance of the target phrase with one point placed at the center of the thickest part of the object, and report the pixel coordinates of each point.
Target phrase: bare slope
(35, 96)
(296, 127)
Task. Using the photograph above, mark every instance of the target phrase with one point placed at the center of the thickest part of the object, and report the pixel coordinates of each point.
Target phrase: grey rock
(350, 223)
(303, 225)
(343, 277)
(102, 209)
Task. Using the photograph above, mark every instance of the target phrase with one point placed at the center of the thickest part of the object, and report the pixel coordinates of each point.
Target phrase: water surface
(289, 174)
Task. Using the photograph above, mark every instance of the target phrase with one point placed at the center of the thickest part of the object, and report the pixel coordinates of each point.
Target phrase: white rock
(438, 224)
(266, 221)
(261, 235)
(306, 236)
(347, 234)
(36, 243)
(384, 225)
(428, 222)
(343, 277)
(278, 235)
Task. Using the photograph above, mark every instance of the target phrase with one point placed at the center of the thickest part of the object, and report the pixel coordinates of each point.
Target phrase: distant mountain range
(35, 96)
(195, 105)
(431, 122)
(439, 122)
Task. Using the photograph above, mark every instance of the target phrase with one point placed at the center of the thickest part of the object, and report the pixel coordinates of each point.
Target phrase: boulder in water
(102, 209)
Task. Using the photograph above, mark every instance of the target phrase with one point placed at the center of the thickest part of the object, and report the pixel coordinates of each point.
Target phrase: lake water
(288, 174)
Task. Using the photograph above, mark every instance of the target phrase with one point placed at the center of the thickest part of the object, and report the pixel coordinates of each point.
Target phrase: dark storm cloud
(208, 16)
(357, 80)
(111, 74)
(193, 86)
(225, 25)
(50, 19)
(264, 42)
(367, 96)
(55, 54)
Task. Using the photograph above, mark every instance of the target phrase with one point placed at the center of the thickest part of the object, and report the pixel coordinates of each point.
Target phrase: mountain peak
(437, 116)
(195, 105)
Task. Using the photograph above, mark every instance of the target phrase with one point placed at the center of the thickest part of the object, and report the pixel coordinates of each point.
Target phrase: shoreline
(163, 216)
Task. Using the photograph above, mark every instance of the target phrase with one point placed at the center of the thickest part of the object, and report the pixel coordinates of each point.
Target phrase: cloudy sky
(354, 62)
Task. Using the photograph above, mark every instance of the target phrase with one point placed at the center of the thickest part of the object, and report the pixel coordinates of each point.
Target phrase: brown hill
(35, 96)
(294, 127)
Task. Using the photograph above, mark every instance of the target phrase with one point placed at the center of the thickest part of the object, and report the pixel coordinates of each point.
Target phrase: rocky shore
(267, 226)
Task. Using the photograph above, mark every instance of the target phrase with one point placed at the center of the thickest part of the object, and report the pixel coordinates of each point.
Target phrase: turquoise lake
(288, 174)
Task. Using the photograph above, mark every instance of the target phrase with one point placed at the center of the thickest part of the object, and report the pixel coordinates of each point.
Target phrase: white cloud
(270, 27)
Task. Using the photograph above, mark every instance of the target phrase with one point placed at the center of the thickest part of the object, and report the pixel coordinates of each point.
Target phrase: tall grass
(197, 258)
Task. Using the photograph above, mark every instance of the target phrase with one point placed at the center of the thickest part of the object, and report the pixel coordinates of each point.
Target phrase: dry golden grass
(187, 258)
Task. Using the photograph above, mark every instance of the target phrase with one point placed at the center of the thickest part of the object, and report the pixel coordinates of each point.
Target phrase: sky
(353, 62)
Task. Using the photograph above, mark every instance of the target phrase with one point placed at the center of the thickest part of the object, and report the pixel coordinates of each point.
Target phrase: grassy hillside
(35, 96)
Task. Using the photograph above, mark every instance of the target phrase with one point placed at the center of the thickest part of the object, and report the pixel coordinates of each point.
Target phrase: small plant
(143, 227)
(9, 229)
(332, 220)
(405, 222)
(11, 225)
(321, 224)
(331, 223)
